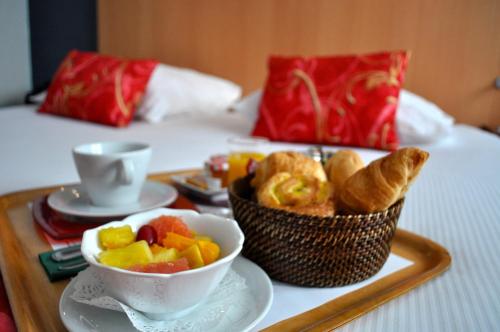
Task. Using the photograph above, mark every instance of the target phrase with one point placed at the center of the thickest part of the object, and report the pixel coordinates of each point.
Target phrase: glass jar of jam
(217, 167)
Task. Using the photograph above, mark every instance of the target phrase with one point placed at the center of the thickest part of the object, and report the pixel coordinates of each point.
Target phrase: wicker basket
(313, 251)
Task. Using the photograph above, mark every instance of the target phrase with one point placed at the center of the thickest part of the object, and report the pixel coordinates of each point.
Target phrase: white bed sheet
(455, 202)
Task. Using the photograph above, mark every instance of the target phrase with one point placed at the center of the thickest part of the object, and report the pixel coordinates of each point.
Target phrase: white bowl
(164, 296)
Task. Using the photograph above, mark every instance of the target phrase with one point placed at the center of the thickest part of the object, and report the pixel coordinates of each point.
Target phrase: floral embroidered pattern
(98, 88)
(345, 100)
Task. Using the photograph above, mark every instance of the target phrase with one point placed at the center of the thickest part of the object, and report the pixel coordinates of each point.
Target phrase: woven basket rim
(313, 251)
(335, 217)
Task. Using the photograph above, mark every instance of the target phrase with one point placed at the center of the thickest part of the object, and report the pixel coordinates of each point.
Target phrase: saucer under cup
(74, 201)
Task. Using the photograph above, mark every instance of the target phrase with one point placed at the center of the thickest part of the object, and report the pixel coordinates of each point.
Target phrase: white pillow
(173, 91)
(418, 120)
(38, 98)
(249, 105)
(421, 121)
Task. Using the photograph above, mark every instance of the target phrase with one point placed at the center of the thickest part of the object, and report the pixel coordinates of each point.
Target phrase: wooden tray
(35, 301)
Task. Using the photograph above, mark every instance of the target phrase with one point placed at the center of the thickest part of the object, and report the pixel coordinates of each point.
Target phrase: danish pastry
(299, 193)
(290, 162)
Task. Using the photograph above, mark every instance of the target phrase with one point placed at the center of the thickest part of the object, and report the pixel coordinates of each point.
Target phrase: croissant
(341, 166)
(382, 183)
(297, 193)
(291, 162)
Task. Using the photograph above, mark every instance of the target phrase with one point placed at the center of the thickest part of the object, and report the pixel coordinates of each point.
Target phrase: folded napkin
(61, 270)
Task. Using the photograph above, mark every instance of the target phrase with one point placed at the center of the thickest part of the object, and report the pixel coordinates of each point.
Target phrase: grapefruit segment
(165, 224)
(163, 267)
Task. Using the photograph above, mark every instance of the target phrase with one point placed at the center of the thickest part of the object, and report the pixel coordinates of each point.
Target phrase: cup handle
(125, 171)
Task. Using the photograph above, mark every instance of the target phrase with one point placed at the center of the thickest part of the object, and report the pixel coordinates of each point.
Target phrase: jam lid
(217, 163)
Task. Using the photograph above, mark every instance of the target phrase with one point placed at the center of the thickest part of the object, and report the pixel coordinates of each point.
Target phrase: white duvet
(455, 201)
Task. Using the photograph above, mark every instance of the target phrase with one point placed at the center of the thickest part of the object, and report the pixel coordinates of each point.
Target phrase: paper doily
(229, 303)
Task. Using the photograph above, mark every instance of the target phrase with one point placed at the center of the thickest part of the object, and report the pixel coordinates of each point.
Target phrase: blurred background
(455, 44)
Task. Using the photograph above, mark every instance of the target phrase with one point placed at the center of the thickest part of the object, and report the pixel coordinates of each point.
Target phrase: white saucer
(72, 200)
(78, 317)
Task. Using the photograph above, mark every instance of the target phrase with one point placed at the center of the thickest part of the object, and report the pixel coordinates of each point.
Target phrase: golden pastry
(291, 162)
(383, 182)
(302, 194)
(341, 166)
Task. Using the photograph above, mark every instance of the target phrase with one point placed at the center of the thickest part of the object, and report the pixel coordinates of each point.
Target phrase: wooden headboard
(455, 44)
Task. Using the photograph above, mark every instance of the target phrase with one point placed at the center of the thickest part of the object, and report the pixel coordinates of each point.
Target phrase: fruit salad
(164, 245)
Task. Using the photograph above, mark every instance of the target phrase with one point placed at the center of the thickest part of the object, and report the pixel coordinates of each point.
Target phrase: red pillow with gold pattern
(98, 88)
(340, 100)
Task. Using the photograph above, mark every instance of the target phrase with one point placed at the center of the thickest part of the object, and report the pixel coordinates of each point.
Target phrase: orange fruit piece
(155, 248)
(165, 224)
(210, 251)
(179, 242)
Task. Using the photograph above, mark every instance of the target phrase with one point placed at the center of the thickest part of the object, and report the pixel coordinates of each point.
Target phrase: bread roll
(383, 182)
(341, 166)
(298, 193)
(290, 162)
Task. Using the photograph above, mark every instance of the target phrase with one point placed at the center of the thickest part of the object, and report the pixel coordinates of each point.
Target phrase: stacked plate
(73, 201)
(73, 204)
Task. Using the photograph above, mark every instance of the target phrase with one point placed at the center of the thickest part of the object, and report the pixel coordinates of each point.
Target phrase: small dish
(161, 296)
(212, 194)
(73, 201)
(79, 317)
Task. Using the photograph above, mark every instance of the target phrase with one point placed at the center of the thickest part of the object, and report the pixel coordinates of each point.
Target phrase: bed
(456, 199)
(454, 202)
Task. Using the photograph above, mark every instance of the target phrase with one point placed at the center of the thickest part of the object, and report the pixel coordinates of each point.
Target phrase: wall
(56, 27)
(15, 68)
(455, 44)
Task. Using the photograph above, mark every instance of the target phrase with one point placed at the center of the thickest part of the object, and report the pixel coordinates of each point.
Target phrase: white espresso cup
(112, 173)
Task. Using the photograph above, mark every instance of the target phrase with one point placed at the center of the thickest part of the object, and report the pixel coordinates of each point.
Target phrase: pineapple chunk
(193, 255)
(134, 254)
(116, 237)
(166, 255)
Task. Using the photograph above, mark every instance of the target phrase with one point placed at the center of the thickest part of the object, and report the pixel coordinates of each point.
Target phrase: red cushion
(6, 323)
(341, 100)
(98, 88)
(6, 318)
